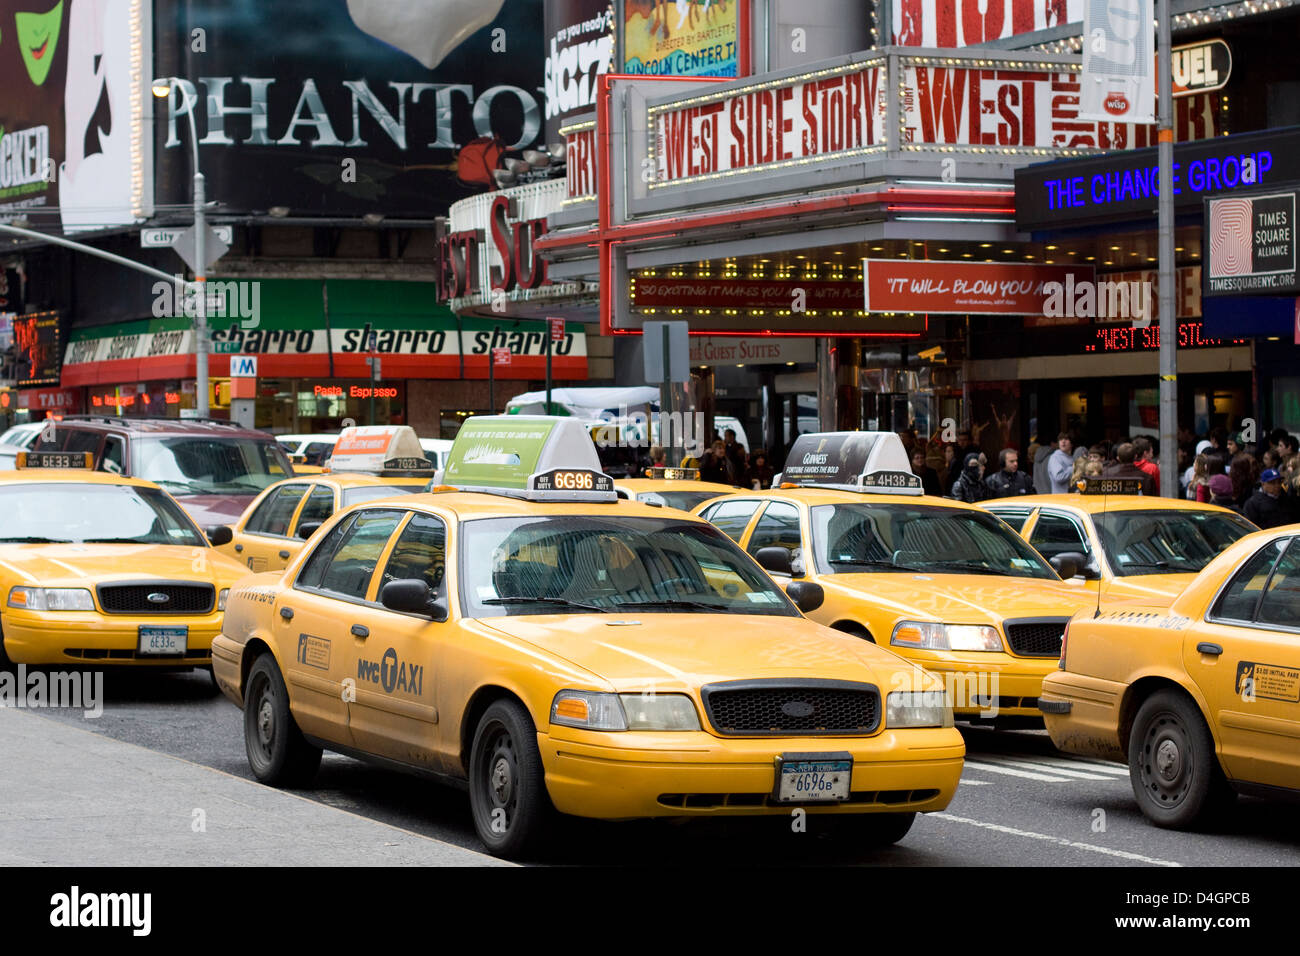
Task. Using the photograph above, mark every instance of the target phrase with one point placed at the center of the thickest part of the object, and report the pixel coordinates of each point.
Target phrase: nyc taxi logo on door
(392, 674)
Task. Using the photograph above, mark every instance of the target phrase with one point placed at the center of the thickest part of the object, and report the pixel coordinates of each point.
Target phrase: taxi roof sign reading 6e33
(852, 461)
(540, 457)
(54, 459)
(379, 449)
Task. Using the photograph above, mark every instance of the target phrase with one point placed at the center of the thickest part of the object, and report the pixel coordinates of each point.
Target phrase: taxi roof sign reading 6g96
(852, 461)
(539, 457)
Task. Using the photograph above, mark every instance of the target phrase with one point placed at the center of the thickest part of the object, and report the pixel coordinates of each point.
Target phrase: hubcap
(501, 781)
(1168, 760)
(265, 722)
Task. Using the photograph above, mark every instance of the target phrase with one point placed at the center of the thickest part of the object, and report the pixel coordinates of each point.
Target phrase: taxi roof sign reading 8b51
(379, 449)
(852, 461)
(540, 457)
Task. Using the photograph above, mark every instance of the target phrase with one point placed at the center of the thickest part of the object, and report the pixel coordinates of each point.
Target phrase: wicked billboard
(334, 108)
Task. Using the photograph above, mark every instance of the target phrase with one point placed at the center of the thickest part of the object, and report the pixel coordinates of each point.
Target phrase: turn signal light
(571, 707)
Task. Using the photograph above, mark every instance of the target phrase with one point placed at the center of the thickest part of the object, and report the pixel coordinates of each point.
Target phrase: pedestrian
(735, 451)
(1199, 487)
(1266, 508)
(1243, 475)
(1043, 483)
(1009, 481)
(658, 457)
(1146, 453)
(759, 474)
(929, 477)
(1218, 451)
(969, 486)
(715, 466)
(1125, 467)
(1220, 489)
(1060, 465)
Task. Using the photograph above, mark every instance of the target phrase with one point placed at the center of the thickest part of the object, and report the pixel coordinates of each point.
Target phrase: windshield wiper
(969, 567)
(120, 541)
(673, 602)
(1158, 565)
(563, 602)
(890, 565)
(35, 541)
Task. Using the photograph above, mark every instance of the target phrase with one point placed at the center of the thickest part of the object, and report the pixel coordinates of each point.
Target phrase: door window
(319, 506)
(353, 564)
(274, 514)
(1241, 597)
(114, 455)
(314, 569)
(1057, 534)
(731, 517)
(420, 553)
(778, 528)
(1016, 518)
(1280, 605)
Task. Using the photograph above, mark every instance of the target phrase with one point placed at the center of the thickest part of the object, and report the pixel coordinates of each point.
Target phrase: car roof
(810, 496)
(306, 438)
(475, 504)
(666, 484)
(32, 476)
(357, 479)
(163, 426)
(1095, 504)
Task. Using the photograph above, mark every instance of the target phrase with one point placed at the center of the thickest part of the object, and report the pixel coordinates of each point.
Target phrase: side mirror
(308, 528)
(1067, 564)
(220, 534)
(412, 596)
(776, 560)
(808, 596)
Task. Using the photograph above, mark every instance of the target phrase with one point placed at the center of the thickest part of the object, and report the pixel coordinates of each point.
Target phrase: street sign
(222, 348)
(183, 244)
(166, 238)
(243, 366)
(557, 328)
(501, 356)
(667, 352)
(376, 364)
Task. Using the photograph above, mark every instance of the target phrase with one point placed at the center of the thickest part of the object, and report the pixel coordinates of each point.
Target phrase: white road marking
(1092, 766)
(1011, 772)
(1047, 838)
(975, 783)
(1053, 768)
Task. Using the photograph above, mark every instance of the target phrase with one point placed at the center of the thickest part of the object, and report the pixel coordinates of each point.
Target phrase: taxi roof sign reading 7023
(540, 457)
(852, 461)
(379, 449)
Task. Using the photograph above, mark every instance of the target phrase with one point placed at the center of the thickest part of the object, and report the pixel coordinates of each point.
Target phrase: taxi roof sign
(55, 459)
(873, 462)
(1111, 486)
(379, 449)
(540, 457)
(673, 474)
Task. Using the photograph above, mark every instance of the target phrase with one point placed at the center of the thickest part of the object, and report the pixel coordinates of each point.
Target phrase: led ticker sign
(1126, 185)
(1127, 338)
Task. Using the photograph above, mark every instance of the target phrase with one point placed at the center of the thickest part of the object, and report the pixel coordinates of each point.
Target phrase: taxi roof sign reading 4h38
(539, 457)
(852, 461)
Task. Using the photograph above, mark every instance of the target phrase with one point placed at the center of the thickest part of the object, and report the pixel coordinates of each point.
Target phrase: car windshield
(202, 465)
(562, 563)
(65, 512)
(1166, 542)
(681, 500)
(893, 537)
(355, 496)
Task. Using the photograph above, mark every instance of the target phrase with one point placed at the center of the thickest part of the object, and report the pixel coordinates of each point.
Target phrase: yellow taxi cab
(1119, 544)
(560, 649)
(1201, 698)
(369, 462)
(678, 488)
(942, 583)
(97, 568)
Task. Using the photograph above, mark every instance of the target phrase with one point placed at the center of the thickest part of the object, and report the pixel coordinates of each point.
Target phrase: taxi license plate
(813, 778)
(163, 640)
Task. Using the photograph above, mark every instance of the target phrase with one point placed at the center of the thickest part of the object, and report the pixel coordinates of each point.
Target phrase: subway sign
(1125, 185)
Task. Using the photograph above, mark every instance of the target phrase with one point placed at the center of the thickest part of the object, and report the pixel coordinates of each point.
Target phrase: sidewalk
(69, 797)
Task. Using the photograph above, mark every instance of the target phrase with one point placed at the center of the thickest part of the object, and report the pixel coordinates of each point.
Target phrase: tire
(507, 784)
(875, 829)
(277, 751)
(1172, 764)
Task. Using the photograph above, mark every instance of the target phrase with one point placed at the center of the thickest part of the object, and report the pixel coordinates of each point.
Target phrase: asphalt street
(1021, 803)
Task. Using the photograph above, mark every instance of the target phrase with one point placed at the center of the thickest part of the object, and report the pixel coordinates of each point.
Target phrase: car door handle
(1205, 647)
(239, 547)
(286, 613)
(284, 554)
(361, 631)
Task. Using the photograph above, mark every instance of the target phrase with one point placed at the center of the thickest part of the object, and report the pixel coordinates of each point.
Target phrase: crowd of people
(726, 462)
(1259, 481)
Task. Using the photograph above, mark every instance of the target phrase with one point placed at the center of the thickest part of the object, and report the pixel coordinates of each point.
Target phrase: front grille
(134, 598)
(710, 801)
(1036, 637)
(791, 707)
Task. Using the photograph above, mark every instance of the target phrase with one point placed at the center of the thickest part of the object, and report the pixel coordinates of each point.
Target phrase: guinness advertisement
(345, 107)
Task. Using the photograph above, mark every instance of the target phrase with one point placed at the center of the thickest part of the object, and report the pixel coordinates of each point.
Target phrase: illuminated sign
(1126, 185)
(37, 343)
(963, 288)
(1200, 67)
(1126, 338)
(959, 23)
(580, 162)
(1252, 245)
(354, 391)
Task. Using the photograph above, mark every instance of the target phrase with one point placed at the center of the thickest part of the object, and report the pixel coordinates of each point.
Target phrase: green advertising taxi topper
(540, 457)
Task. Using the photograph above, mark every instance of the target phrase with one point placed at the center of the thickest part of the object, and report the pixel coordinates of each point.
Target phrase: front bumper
(986, 685)
(1090, 725)
(92, 638)
(644, 774)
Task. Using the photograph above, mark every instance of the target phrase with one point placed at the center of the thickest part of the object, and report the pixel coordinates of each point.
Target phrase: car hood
(88, 565)
(963, 598)
(208, 510)
(636, 651)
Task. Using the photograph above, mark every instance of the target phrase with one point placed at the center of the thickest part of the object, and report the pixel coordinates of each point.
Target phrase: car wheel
(278, 753)
(507, 785)
(875, 829)
(1172, 764)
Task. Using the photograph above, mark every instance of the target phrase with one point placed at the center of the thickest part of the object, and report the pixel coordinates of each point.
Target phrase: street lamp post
(162, 89)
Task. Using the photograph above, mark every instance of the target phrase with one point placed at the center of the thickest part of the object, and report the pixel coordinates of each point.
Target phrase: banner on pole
(1119, 83)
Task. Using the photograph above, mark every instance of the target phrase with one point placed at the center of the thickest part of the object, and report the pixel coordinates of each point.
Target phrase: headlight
(946, 637)
(917, 708)
(659, 712)
(589, 710)
(52, 599)
(221, 598)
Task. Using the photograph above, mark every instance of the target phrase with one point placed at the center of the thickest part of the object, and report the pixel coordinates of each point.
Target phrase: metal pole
(548, 366)
(492, 382)
(201, 261)
(1165, 251)
(88, 250)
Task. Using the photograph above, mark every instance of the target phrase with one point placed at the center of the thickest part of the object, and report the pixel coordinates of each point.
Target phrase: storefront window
(143, 400)
(323, 405)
